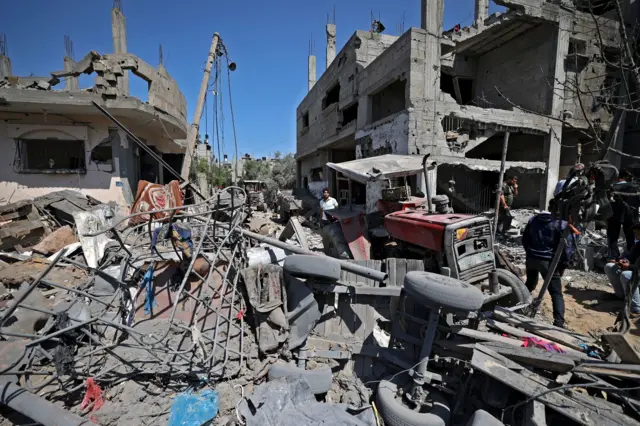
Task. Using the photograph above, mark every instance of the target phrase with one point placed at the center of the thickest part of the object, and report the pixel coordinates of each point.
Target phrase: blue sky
(267, 39)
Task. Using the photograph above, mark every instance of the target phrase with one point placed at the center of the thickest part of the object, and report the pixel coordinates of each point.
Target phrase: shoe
(560, 325)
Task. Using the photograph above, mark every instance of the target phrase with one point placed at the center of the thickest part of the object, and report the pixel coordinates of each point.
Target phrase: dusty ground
(590, 305)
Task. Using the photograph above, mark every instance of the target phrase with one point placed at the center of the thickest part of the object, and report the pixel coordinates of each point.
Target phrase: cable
(233, 121)
(565, 387)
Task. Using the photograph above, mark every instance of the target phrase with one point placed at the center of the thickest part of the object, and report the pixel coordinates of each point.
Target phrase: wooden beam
(484, 336)
(553, 400)
(505, 328)
(573, 340)
(622, 346)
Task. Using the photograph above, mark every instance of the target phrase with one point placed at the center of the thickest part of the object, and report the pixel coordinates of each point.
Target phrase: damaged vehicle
(398, 225)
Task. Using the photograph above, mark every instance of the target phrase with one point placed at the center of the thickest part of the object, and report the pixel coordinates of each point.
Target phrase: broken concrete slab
(56, 241)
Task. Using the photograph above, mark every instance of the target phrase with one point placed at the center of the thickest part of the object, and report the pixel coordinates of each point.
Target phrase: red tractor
(457, 245)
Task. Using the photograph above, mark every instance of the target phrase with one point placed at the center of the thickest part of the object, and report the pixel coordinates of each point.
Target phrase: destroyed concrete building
(55, 139)
(454, 94)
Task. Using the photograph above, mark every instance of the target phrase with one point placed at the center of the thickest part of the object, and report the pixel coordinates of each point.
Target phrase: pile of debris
(199, 313)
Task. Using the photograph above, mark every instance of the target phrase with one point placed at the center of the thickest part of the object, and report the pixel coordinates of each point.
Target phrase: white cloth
(328, 204)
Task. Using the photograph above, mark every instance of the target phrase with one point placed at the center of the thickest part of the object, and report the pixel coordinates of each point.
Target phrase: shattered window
(50, 156)
(102, 156)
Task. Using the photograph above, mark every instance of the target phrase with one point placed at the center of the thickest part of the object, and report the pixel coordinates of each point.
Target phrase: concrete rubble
(225, 309)
(195, 304)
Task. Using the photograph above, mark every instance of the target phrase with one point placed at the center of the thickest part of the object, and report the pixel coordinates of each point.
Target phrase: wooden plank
(534, 357)
(535, 414)
(573, 340)
(485, 336)
(553, 400)
(18, 229)
(611, 370)
(622, 346)
(606, 408)
(392, 272)
(505, 328)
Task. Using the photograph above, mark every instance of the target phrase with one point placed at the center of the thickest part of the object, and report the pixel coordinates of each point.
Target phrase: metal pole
(426, 182)
(36, 407)
(344, 265)
(503, 165)
(27, 292)
(195, 125)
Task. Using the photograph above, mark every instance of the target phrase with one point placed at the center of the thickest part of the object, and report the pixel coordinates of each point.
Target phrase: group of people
(543, 232)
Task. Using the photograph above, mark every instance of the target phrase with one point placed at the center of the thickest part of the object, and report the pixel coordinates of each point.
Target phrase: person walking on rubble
(619, 272)
(509, 192)
(625, 214)
(540, 240)
(326, 203)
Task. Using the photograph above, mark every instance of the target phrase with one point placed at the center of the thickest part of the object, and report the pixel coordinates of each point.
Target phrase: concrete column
(331, 43)
(553, 141)
(312, 71)
(119, 32)
(71, 81)
(431, 18)
(5, 67)
(482, 11)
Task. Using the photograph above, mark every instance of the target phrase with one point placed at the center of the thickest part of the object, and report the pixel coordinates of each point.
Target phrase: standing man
(619, 272)
(625, 214)
(509, 192)
(540, 239)
(326, 203)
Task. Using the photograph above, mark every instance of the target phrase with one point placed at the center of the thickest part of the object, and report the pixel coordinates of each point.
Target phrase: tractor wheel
(437, 291)
(396, 413)
(520, 294)
(334, 243)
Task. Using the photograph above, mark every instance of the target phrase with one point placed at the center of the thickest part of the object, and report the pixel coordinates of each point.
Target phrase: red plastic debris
(240, 314)
(94, 394)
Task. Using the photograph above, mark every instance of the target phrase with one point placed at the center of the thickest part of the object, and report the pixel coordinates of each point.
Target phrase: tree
(256, 170)
(277, 175)
(217, 175)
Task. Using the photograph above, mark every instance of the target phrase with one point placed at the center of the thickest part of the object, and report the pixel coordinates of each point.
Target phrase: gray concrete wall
(521, 69)
(346, 69)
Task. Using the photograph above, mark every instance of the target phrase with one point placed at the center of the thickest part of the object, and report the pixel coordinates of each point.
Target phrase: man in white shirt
(326, 203)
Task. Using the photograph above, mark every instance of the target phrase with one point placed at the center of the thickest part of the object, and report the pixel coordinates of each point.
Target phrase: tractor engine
(463, 243)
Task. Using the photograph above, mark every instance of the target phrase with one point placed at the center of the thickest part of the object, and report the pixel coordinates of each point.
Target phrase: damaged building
(454, 94)
(56, 139)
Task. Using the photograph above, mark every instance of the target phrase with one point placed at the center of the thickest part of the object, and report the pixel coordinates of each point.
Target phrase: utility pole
(503, 166)
(195, 125)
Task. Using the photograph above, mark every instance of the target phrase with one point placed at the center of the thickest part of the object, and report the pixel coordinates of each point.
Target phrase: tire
(482, 418)
(438, 291)
(394, 413)
(319, 380)
(312, 266)
(520, 292)
(334, 243)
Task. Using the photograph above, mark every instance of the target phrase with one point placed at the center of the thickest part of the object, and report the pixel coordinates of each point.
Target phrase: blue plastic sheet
(194, 409)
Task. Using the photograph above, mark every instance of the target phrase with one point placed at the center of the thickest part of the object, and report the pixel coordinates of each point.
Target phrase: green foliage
(279, 174)
(217, 175)
(256, 170)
